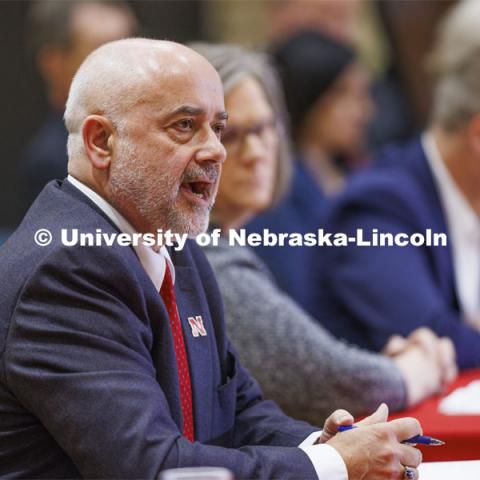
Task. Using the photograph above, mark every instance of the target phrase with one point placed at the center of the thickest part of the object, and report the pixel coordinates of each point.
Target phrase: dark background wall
(22, 100)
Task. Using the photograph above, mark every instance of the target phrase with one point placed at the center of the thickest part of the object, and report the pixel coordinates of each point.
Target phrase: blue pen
(417, 439)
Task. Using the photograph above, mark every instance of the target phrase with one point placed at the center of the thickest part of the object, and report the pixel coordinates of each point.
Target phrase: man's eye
(185, 124)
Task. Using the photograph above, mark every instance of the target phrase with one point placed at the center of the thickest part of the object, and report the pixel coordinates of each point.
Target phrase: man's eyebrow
(188, 110)
(196, 111)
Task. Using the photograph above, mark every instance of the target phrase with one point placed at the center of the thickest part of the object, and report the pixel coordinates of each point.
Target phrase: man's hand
(342, 417)
(426, 361)
(374, 452)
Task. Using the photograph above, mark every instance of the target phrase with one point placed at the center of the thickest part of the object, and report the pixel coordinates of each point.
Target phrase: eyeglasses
(234, 137)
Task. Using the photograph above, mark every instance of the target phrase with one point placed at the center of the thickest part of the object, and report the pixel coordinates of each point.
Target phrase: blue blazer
(299, 212)
(88, 381)
(366, 294)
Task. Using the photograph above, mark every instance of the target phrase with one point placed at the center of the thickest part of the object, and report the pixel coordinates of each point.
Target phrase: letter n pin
(196, 324)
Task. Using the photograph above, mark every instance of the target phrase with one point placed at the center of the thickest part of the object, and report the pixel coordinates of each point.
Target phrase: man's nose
(212, 149)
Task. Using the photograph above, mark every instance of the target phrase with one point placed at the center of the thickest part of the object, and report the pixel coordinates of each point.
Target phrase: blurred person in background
(297, 362)
(329, 104)
(368, 294)
(60, 35)
(363, 25)
(339, 20)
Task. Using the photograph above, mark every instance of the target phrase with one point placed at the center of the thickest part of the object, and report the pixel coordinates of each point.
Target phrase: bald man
(115, 362)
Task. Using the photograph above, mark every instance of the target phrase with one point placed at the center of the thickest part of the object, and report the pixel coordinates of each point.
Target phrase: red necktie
(168, 295)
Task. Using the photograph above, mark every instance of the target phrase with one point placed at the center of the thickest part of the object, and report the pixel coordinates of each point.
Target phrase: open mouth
(201, 190)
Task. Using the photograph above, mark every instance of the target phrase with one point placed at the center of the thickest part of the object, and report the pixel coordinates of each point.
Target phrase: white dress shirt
(328, 463)
(464, 233)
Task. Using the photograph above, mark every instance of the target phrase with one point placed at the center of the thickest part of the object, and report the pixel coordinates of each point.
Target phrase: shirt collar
(154, 263)
(461, 217)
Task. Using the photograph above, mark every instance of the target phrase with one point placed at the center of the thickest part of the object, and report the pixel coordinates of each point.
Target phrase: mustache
(208, 171)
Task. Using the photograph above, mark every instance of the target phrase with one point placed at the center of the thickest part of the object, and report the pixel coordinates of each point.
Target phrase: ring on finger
(410, 473)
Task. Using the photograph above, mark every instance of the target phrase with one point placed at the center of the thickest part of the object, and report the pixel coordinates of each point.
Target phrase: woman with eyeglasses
(297, 363)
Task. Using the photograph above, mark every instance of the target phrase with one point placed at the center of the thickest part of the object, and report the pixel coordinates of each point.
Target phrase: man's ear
(97, 132)
(474, 134)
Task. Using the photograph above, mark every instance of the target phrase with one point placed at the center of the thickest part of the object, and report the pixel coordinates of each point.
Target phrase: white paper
(450, 470)
(462, 401)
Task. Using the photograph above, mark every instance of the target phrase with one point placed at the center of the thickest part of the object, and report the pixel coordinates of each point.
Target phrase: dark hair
(309, 63)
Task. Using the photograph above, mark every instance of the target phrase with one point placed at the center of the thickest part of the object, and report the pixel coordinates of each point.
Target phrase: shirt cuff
(311, 439)
(327, 462)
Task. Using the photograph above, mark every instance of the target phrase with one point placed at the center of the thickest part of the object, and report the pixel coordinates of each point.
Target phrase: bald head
(121, 74)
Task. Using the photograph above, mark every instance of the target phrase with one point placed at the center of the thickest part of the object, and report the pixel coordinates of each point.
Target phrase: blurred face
(92, 25)
(338, 19)
(339, 120)
(251, 141)
(168, 155)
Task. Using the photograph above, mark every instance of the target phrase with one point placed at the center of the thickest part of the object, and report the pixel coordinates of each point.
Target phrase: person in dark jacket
(425, 189)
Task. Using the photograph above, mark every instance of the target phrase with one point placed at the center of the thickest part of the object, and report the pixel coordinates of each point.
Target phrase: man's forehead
(177, 60)
(189, 94)
(171, 103)
(194, 73)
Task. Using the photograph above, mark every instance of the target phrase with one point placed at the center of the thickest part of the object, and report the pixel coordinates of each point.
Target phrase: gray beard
(156, 204)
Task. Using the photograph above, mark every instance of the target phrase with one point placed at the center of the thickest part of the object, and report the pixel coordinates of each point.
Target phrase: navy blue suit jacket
(366, 294)
(88, 382)
(299, 212)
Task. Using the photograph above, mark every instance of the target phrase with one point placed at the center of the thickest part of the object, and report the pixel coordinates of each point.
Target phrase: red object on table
(461, 433)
